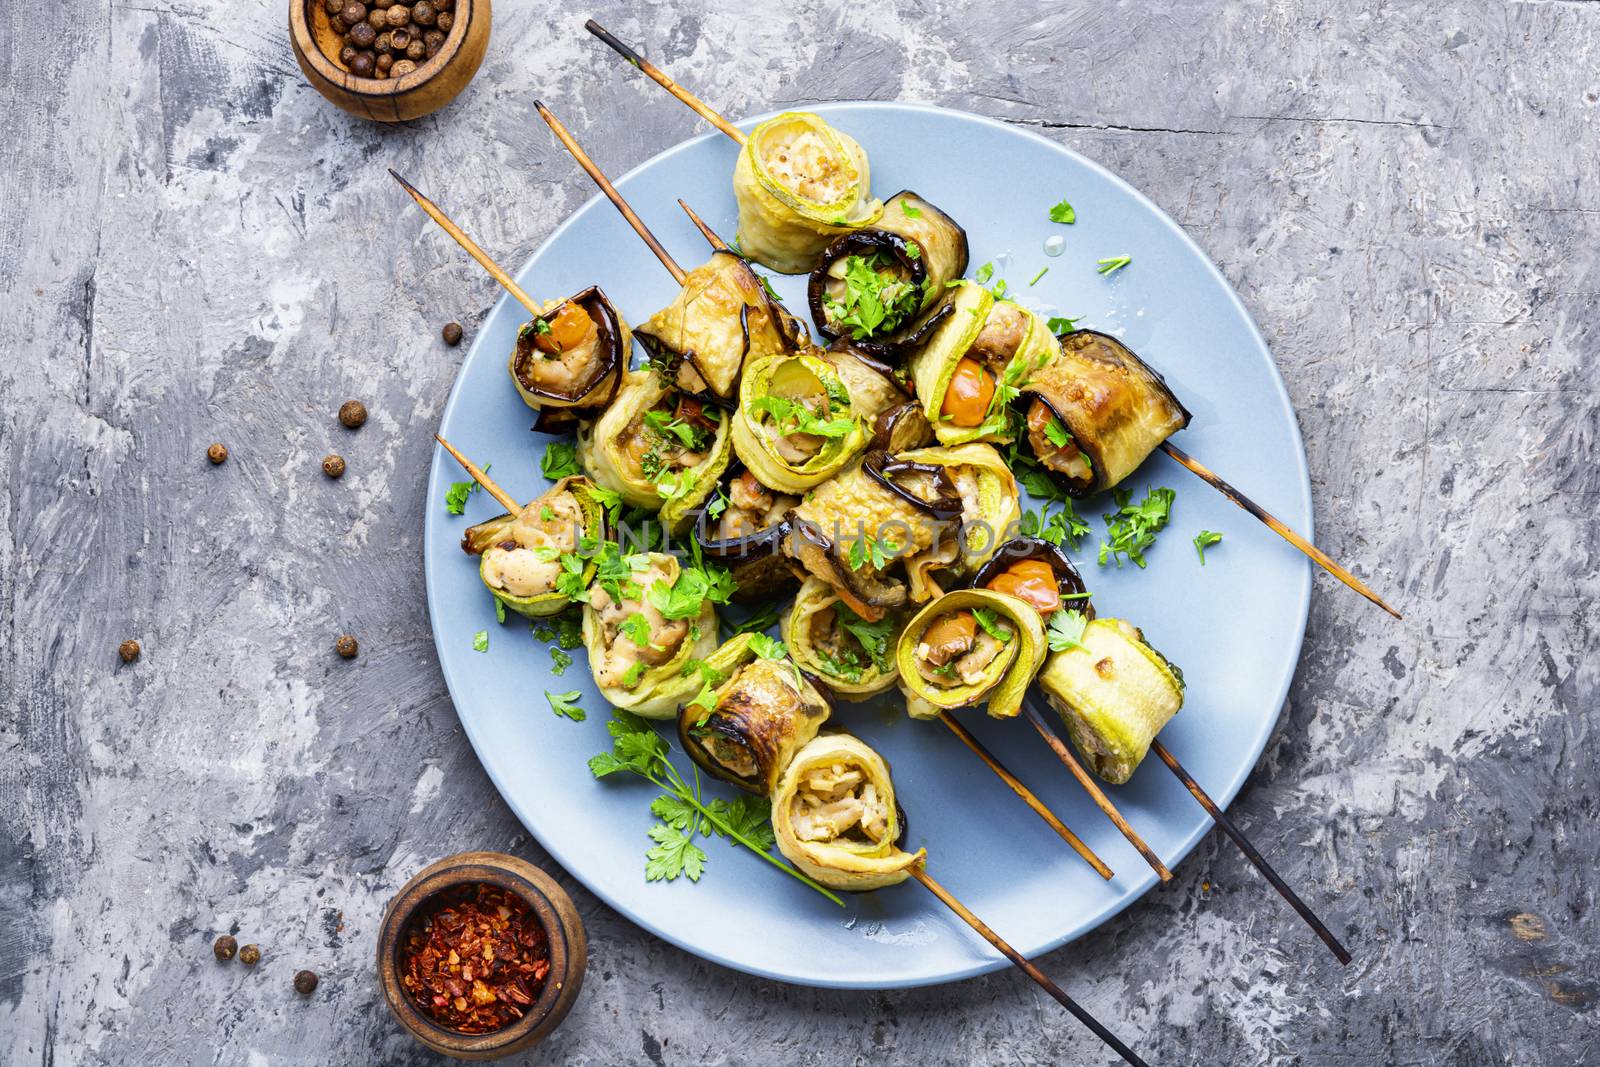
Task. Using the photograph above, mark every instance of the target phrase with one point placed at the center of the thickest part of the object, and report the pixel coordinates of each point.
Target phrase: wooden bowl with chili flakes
(481, 955)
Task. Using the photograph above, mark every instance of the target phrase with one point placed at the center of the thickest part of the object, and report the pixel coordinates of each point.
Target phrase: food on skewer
(747, 728)
(569, 360)
(800, 183)
(883, 286)
(1096, 411)
(970, 647)
(519, 554)
(742, 529)
(850, 655)
(658, 447)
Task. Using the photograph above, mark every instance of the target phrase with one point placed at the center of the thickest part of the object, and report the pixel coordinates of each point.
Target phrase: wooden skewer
(1095, 792)
(481, 478)
(1276, 525)
(1027, 796)
(920, 874)
(1250, 852)
(606, 187)
(705, 231)
(660, 78)
(495, 272)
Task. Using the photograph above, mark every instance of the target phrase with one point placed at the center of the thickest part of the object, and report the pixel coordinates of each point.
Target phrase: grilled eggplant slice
(800, 183)
(1114, 693)
(851, 656)
(884, 286)
(990, 511)
(721, 317)
(835, 817)
(968, 647)
(1095, 411)
(763, 713)
(569, 360)
(658, 447)
(519, 555)
(742, 530)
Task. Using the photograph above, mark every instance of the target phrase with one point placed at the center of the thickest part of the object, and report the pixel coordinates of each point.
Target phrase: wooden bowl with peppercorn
(481, 955)
(389, 60)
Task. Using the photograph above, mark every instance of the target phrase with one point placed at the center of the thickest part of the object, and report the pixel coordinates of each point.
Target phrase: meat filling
(955, 650)
(1044, 433)
(525, 563)
(620, 652)
(752, 507)
(837, 803)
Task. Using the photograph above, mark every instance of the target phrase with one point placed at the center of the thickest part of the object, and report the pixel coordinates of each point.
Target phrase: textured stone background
(195, 247)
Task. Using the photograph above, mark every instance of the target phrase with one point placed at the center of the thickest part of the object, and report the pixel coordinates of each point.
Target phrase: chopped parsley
(1132, 528)
(637, 629)
(984, 273)
(1066, 630)
(1063, 214)
(868, 549)
(1204, 540)
(1056, 433)
(455, 498)
(1035, 279)
(873, 636)
(634, 675)
(910, 210)
(669, 428)
(499, 610)
(1115, 263)
(792, 416)
(767, 647)
(875, 301)
(560, 460)
(565, 704)
(1060, 325)
(991, 625)
(695, 587)
(559, 662)
(480, 641)
(761, 620)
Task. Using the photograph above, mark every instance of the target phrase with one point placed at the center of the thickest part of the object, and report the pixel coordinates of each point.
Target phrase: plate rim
(1224, 795)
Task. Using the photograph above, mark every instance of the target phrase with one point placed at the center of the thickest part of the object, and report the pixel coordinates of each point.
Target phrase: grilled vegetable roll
(902, 428)
(722, 316)
(1114, 693)
(883, 286)
(1038, 573)
(520, 555)
(800, 183)
(796, 424)
(848, 654)
(638, 649)
(1096, 411)
(835, 817)
(968, 647)
(742, 531)
(990, 508)
(974, 364)
(758, 717)
(657, 446)
(568, 361)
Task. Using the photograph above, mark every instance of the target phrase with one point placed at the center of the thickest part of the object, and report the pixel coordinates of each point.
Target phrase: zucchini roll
(762, 713)
(796, 424)
(568, 361)
(974, 364)
(519, 556)
(642, 667)
(742, 530)
(722, 316)
(800, 183)
(1096, 411)
(968, 647)
(1114, 693)
(851, 656)
(658, 447)
(1039, 573)
(883, 286)
(835, 817)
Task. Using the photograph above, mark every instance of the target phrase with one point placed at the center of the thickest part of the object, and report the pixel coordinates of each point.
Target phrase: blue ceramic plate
(1234, 625)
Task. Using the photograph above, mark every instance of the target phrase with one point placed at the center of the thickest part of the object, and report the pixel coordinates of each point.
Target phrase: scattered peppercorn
(353, 413)
(224, 947)
(217, 453)
(250, 955)
(346, 646)
(128, 650)
(452, 333)
(305, 982)
(333, 466)
(407, 30)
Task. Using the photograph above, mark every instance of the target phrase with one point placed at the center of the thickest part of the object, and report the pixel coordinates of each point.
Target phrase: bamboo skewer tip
(657, 75)
(506, 500)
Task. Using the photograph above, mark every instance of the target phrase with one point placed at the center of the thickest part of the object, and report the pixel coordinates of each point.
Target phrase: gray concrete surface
(195, 247)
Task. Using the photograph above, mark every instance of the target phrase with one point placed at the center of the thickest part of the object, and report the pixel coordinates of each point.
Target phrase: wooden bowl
(425, 90)
(569, 953)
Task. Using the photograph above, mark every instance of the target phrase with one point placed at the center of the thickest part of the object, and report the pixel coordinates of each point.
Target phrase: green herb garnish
(1060, 325)
(1132, 528)
(867, 549)
(1063, 213)
(565, 704)
(455, 498)
(875, 300)
(1115, 263)
(1066, 630)
(480, 641)
(560, 460)
(1035, 279)
(1204, 540)
(991, 625)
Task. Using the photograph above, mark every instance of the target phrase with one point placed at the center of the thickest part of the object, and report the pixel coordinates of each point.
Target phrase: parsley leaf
(565, 704)
(1066, 630)
(695, 587)
(1203, 540)
(1132, 528)
(767, 647)
(876, 299)
(1056, 433)
(560, 460)
(791, 416)
(1063, 214)
(991, 625)
(480, 641)
(1115, 263)
(455, 498)
(674, 853)
(867, 549)
(559, 662)
(873, 636)
(910, 210)
(637, 629)
(1060, 325)
(634, 675)
(764, 619)
(984, 273)
(499, 610)
(746, 816)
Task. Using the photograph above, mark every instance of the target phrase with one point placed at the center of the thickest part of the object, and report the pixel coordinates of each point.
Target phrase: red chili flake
(474, 957)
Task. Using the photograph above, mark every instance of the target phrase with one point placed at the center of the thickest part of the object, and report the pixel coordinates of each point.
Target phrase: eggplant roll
(796, 424)
(519, 555)
(658, 447)
(647, 679)
(990, 508)
(1114, 693)
(762, 713)
(835, 817)
(722, 316)
(1095, 411)
(883, 286)
(800, 183)
(968, 647)
(974, 364)
(850, 655)
(742, 530)
(573, 355)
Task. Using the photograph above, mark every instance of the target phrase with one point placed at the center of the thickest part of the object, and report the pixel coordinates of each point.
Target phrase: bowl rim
(300, 26)
(534, 886)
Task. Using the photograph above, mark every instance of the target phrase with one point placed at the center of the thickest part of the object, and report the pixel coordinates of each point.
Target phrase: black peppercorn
(217, 453)
(451, 333)
(224, 947)
(363, 65)
(333, 466)
(423, 13)
(402, 68)
(398, 16)
(346, 646)
(305, 982)
(128, 650)
(249, 955)
(362, 35)
(352, 413)
(445, 21)
(353, 12)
